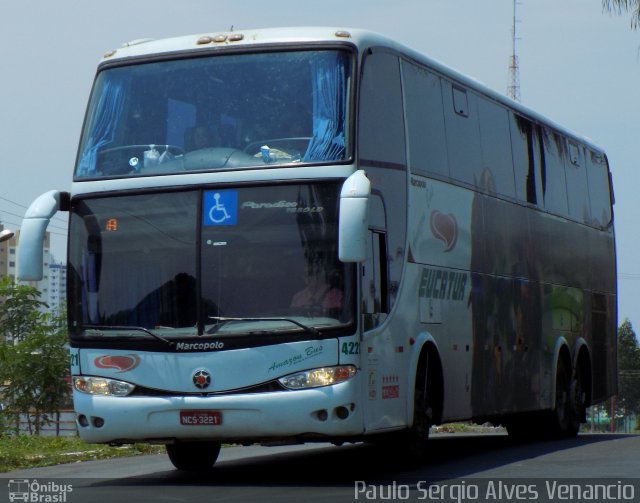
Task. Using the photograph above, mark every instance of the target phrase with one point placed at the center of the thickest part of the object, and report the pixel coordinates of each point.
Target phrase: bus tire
(564, 419)
(193, 456)
(425, 404)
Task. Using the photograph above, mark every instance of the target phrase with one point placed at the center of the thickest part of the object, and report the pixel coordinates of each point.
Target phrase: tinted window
(425, 122)
(463, 138)
(381, 122)
(577, 189)
(599, 194)
(520, 133)
(496, 147)
(555, 189)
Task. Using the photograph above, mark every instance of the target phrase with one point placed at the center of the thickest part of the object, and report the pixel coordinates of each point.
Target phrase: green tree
(19, 310)
(620, 6)
(33, 358)
(629, 369)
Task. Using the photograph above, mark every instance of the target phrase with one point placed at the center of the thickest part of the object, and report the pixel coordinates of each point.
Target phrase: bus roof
(220, 41)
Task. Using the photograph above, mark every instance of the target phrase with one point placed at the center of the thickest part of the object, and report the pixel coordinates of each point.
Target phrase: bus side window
(463, 135)
(528, 160)
(577, 188)
(599, 190)
(495, 141)
(425, 126)
(381, 121)
(555, 190)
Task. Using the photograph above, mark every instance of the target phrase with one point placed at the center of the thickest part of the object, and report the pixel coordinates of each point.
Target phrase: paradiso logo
(122, 363)
(444, 227)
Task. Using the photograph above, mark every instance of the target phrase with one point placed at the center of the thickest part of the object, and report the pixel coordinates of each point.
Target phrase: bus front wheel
(427, 397)
(193, 456)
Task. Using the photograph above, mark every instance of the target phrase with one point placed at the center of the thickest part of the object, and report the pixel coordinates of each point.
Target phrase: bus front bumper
(323, 413)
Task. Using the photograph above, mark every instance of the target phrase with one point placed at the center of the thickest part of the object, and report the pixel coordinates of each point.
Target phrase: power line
(20, 205)
(51, 226)
(16, 225)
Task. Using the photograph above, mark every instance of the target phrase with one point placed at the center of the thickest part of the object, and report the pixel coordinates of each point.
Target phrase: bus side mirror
(33, 231)
(353, 218)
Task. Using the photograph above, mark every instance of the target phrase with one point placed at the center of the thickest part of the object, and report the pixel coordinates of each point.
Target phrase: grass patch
(30, 451)
(465, 428)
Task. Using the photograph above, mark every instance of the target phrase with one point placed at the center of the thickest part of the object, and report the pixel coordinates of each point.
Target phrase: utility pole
(513, 89)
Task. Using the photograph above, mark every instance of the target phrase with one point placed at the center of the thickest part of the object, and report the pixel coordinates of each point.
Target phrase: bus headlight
(102, 386)
(315, 378)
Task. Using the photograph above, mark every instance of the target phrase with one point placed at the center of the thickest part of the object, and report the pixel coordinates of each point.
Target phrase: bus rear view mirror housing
(353, 218)
(33, 231)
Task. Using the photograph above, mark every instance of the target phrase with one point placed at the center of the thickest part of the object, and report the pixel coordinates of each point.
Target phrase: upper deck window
(219, 112)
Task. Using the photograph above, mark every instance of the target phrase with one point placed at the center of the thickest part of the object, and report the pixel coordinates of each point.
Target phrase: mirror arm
(33, 231)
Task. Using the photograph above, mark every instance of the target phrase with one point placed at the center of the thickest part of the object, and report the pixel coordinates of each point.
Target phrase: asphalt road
(484, 467)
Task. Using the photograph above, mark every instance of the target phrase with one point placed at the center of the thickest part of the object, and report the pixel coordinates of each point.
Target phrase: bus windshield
(217, 112)
(208, 262)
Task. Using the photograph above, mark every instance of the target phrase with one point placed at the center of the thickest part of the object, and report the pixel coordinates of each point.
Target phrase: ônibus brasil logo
(41, 492)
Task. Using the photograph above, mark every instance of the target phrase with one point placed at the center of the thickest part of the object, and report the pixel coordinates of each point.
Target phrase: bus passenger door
(375, 299)
(382, 359)
(375, 274)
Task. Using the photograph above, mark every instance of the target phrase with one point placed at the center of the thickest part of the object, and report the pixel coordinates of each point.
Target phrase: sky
(579, 66)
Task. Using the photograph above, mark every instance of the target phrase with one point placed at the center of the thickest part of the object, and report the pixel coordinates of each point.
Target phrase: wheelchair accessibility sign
(220, 207)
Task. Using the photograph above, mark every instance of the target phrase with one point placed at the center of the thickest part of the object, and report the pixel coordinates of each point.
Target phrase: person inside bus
(320, 295)
(333, 299)
(198, 137)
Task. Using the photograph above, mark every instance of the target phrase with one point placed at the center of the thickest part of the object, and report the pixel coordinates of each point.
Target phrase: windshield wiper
(223, 320)
(121, 328)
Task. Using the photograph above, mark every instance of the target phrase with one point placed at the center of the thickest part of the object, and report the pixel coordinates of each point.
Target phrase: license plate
(200, 417)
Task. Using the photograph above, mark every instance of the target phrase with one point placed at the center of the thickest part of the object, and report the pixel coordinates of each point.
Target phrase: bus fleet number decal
(350, 348)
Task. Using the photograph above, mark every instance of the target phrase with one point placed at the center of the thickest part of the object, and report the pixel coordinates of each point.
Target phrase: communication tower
(513, 89)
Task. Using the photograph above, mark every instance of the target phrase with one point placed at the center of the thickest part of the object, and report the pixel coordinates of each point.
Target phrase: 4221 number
(350, 348)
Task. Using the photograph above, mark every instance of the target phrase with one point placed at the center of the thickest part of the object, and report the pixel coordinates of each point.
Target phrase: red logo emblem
(445, 228)
(201, 378)
(122, 363)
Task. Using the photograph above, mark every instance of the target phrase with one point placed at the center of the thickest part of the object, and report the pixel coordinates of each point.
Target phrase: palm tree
(620, 6)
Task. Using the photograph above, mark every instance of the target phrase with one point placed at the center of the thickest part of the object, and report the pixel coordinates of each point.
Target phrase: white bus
(311, 234)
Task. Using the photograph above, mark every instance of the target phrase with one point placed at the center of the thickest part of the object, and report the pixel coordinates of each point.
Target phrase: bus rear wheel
(193, 456)
(564, 419)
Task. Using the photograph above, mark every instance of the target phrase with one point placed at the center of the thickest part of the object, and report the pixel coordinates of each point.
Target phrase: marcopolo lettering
(442, 284)
(199, 346)
(418, 183)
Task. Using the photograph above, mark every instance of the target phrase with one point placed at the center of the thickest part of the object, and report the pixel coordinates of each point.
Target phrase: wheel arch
(424, 344)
